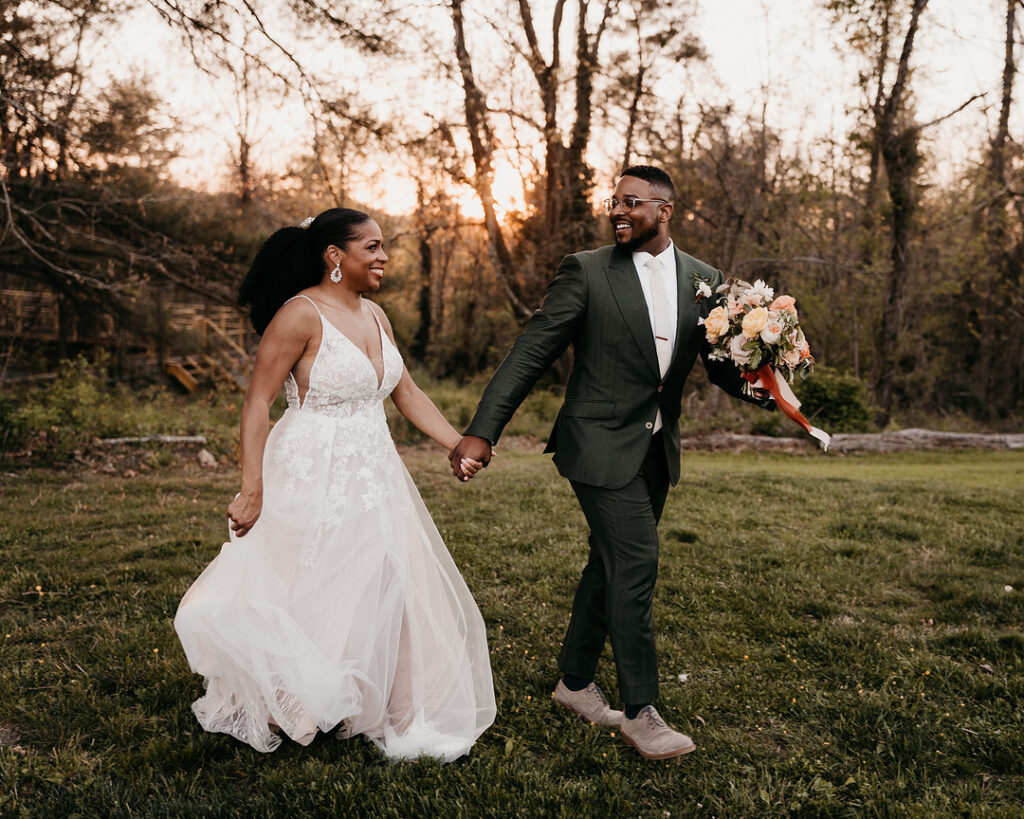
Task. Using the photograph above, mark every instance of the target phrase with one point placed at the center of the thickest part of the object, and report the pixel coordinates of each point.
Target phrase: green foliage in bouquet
(835, 400)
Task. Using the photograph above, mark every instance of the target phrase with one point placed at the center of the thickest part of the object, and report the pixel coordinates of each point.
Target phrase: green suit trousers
(614, 598)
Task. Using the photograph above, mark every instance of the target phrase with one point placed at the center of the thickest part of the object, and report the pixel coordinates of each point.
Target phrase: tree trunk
(245, 186)
(898, 146)
(990, 309)
(65, 317)
(482, 143)
(421, 341)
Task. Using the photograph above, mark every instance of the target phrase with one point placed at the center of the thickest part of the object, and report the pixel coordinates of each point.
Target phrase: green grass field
(850, 631)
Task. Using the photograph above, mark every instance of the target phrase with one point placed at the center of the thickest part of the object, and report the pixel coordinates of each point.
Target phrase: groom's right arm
(544, 338)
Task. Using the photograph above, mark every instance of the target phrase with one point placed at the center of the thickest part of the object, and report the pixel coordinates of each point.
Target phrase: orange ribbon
(768, 378)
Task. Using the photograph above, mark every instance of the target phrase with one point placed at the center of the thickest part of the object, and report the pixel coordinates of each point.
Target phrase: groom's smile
(635, 215)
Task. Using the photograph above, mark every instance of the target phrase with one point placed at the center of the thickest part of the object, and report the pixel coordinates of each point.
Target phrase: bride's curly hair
(292, 260)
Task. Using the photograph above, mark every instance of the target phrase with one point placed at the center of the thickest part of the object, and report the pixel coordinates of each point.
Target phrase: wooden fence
(36, 314)
(218, 338)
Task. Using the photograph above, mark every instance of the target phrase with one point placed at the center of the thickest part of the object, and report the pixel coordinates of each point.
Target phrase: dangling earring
(336, 274)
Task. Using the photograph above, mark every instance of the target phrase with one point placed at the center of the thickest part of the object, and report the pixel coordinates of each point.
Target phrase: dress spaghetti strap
(307, 298)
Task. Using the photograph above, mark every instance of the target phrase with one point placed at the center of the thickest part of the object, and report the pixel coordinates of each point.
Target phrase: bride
(335, 601)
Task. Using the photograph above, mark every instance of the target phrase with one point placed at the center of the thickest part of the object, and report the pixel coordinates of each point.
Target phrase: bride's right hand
(243, 512)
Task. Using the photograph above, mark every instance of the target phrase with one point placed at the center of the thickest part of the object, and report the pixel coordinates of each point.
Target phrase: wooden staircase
(224, 360)
(191, 371)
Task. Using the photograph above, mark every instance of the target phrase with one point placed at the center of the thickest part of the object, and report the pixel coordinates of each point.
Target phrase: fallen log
(162, 439)
(907, 439)
(736, 441)
(901, 441)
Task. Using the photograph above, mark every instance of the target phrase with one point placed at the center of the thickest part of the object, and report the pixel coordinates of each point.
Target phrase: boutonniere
(701, 286)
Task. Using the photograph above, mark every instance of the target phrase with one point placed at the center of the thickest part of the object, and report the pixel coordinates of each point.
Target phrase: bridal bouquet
(760, 333)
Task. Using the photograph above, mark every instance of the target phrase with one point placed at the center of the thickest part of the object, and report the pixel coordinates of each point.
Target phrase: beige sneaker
(590, 703)
(649, 734)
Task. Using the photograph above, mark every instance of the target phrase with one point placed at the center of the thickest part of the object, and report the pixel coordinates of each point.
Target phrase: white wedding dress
(341, 605)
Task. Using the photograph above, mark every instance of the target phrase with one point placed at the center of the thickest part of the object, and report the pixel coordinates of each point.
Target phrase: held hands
(469, 468)
(243, 512)
(469, 456)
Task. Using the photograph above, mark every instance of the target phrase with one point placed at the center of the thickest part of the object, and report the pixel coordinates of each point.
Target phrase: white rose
(772, 332)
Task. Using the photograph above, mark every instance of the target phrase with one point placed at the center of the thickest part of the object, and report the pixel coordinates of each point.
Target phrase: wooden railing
(222, 334)
(212, 323)
(35, 314)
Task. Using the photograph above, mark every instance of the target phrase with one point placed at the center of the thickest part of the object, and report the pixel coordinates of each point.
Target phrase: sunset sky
(792, 49)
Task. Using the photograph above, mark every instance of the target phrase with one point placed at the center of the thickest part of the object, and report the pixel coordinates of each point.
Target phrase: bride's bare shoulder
(297, 315)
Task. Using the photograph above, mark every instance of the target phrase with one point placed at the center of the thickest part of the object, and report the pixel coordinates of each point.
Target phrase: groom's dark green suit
(603, 439)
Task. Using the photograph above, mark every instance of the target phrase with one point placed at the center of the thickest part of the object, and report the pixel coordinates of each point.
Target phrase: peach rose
(754, 321)
(791, 358)
(784, 303)
(736, 351)
(735, 306)
(716, 324)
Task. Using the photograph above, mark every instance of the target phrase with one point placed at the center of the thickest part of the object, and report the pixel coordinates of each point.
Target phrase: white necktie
(662, 316)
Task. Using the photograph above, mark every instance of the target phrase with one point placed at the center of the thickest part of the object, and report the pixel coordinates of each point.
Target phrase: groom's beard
(638, 239)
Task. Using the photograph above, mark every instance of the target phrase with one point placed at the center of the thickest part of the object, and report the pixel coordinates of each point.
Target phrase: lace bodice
(342, 380)
(331, 444)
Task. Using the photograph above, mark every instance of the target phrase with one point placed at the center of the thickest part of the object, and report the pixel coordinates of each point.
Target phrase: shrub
(56, 419)
(835, 402)
(48, 424)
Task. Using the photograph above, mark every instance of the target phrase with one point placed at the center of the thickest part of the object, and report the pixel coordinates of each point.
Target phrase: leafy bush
(773, 425)
(49, 423)
(55, 419)
(835, 402)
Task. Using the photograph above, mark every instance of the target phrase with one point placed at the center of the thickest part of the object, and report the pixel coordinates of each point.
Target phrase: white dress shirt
(666, 268)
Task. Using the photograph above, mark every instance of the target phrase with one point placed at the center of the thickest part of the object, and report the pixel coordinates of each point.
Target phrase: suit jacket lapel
(629, 295)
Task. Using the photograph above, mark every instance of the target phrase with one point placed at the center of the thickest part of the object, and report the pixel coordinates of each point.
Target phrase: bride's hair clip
(305, 223)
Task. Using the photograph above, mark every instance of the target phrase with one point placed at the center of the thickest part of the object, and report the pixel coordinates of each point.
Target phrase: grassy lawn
(835, 633)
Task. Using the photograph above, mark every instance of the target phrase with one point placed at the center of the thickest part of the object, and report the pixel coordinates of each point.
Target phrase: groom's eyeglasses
(628, 203)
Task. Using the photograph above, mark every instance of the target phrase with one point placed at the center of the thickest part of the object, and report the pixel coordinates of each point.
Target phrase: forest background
(483, 137)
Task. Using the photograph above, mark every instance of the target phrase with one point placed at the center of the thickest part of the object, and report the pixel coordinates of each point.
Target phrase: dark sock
(575, 683)
(633, 711)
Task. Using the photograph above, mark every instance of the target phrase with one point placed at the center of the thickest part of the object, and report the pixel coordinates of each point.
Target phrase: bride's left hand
(469, 468)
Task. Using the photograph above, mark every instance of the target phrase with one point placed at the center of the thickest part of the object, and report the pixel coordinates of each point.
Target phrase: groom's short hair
(653, 176)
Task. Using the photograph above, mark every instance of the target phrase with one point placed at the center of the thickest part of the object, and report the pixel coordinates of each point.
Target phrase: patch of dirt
(9, 736)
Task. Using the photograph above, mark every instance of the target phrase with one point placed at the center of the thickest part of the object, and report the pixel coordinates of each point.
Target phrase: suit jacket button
(649, 425)
(659, 388)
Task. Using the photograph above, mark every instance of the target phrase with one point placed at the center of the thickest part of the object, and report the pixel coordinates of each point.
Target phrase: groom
(630, 313)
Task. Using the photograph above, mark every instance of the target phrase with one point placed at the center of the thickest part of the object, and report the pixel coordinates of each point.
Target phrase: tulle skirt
(341, 609)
